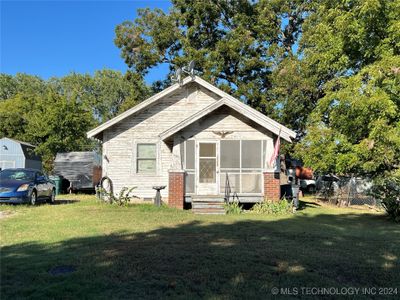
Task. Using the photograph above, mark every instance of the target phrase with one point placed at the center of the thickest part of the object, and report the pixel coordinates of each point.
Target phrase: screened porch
(218, 167)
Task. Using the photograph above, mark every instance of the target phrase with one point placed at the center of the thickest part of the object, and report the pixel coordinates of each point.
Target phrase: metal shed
(17, 154)
(81, 169)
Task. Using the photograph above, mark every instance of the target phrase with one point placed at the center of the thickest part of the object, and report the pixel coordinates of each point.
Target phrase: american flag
(276, 150)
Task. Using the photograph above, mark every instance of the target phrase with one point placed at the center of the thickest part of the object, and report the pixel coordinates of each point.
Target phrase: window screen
(207, 149)
(146, 158)
(251, 154)
(234, 183)
(230, 154)
(251, 183)
(190, 155)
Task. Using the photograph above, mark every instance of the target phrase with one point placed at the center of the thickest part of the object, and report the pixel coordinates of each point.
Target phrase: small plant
(387, 190)
(233, 208)
(272, 207)
(123, 198)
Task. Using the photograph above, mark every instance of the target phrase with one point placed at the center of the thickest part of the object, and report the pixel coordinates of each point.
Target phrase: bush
(387, 190)
(272, 207)
(123, 198)
(233, 208)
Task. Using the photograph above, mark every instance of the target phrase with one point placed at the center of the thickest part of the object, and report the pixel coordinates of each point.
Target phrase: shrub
(233, 208)
(387, 190)
(273, 207)
(123, 198)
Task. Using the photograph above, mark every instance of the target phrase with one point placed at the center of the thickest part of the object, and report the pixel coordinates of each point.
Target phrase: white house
(196, 140)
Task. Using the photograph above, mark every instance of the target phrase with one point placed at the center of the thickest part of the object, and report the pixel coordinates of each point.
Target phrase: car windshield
(17, 175)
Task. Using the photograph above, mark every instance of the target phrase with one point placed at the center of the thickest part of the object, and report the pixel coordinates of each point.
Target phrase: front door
(207, 168)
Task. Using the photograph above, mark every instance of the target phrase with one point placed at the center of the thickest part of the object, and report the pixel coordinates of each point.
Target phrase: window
(207, 163)
(146, 158)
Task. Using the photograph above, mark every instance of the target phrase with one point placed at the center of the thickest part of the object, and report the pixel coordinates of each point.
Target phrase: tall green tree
(354, 48)
(56, 114)
(236, 44)
(107, 93)
(58, 124)
(20, 84)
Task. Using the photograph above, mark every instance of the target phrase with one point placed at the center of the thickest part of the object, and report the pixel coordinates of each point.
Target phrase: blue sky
(54, 38)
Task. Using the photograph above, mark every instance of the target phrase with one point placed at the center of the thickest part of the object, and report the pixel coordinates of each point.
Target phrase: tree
(50, 121)
(107, 93)
(20, 84)
(354, 47)
(56, 114)
(58, 124)
(355, 128)
(236, 44)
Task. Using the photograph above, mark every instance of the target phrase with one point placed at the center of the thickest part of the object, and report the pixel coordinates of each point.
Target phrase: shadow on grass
(306, 204)
(61, 201)
(199, 259)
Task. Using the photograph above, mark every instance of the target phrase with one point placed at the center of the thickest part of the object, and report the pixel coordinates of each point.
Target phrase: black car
(25, 186)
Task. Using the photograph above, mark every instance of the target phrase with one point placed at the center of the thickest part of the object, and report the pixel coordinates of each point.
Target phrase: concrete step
(205, 198)
(208, 205)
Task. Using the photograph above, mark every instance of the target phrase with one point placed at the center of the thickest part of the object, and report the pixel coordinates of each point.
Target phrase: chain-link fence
(345, 191)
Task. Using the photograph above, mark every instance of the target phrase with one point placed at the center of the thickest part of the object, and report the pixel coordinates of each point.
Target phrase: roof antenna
(177, 77)
(189, 69)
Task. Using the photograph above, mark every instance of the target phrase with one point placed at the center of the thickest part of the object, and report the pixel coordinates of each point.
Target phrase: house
(196, 140)
(17, 154)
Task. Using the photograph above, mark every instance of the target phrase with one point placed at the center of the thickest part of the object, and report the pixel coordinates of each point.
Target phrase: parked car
(25, 186)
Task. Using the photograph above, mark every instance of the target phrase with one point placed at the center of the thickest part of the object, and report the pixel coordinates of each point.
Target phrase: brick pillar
(176, 189)
(272, 186)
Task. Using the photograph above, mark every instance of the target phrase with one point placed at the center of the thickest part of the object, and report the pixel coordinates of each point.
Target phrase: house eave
(273, 126)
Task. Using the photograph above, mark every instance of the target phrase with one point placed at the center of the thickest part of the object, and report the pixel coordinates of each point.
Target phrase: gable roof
(238, 106)
(227, 99)
(19, 142)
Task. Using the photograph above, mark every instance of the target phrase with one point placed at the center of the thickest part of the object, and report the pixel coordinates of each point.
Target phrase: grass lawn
(146, 252)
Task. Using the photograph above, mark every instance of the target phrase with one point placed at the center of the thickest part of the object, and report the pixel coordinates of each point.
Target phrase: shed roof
(19, 142)
(81, 156)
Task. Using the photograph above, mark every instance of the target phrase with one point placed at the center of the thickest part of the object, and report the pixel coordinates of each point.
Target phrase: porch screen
(242, 166)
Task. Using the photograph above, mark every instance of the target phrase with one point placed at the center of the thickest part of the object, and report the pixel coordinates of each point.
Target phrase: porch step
(208, 205)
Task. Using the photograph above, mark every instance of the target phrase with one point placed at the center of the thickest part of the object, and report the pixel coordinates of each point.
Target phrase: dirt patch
(5, 214)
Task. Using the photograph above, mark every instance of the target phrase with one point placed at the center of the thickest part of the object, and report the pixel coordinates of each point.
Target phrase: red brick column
(176, 189)
(272, 186)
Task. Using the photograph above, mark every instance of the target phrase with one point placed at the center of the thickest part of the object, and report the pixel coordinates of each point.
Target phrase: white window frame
(137, 142)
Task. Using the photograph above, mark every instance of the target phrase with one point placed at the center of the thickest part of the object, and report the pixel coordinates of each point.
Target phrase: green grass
(143, 251)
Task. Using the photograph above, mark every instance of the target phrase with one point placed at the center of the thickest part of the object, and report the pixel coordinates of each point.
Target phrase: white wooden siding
(119, 141)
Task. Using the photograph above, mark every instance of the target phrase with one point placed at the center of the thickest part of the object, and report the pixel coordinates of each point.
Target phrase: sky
(54, 38)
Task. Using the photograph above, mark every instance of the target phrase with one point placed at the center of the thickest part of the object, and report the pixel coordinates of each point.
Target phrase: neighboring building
(82, 170)
(17, 154)
(195, 139)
